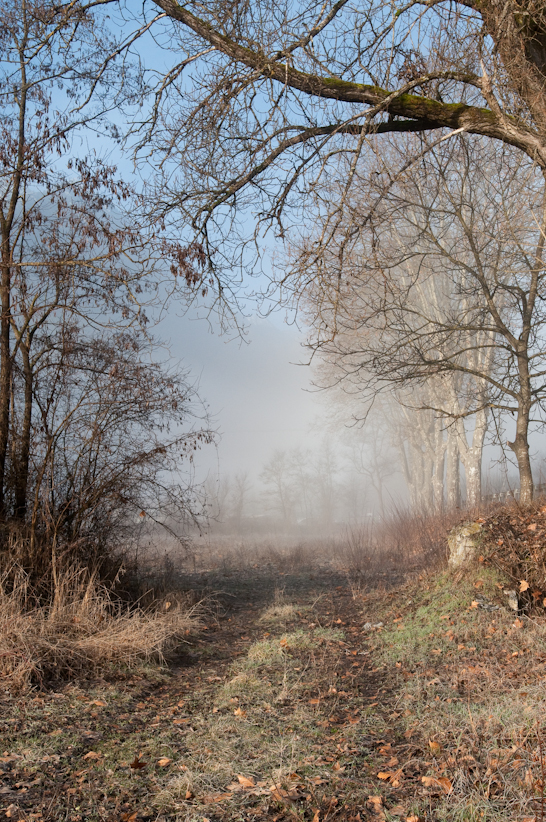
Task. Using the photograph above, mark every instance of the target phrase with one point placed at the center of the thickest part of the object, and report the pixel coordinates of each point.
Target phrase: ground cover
(294, 702)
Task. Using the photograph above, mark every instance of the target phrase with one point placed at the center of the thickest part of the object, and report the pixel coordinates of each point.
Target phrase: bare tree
(454, 284)
(302, 478)
(239, 498)
(111, 441)
(326, 469)
(373, 458)
(75, 275)
(276, 476)
(265, 104)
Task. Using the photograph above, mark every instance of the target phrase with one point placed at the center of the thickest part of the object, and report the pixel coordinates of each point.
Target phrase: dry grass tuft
(403, 543)
(80, 631)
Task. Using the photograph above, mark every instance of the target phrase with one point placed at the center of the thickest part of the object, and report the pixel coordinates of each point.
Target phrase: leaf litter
(317, 726)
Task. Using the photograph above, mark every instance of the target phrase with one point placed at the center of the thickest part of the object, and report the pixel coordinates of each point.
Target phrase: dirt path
(256, 718)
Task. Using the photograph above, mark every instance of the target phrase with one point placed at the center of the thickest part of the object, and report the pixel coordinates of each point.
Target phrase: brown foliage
(515, 542)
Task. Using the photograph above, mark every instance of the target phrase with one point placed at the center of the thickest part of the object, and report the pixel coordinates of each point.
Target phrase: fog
(258, 394)
(283, 459)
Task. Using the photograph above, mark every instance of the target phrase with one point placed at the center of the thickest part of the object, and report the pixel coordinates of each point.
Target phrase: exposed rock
(513, 600)
(463, 543)
(485, 604)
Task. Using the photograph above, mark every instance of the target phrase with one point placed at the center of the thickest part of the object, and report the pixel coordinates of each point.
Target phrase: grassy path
(264, 715)
(287, 706)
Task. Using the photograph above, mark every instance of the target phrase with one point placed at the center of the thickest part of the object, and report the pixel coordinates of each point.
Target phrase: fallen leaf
(93, 755)
(532, 527)
(435, 747)
(239, 712)
(437, 782)
(137, 763)
(212, 799)
(164, 761)
(518, 623)
(316, 817)
(412, 819)
(523, 585)
(392, 776)
(280, 794)
(245, 781)
(375, 807)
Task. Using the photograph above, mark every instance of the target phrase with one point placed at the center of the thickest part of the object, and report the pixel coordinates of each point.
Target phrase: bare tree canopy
(88, 419)
(444, 287)
(265, 102)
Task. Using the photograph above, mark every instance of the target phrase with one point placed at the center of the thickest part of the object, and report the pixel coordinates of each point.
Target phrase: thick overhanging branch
(306, 134)
(473, 119)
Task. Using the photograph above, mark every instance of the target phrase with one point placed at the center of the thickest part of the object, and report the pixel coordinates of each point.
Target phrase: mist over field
(287, 458)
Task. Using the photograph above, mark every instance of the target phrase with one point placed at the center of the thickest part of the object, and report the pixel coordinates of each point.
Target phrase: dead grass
(300, 712)
(468, 696)
(81, 631)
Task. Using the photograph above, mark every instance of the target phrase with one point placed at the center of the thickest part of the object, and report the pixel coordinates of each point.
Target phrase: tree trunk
(453, 477)
(5, 370)
(520, 447)
(472, 460)
(438, 457)
(22, 464)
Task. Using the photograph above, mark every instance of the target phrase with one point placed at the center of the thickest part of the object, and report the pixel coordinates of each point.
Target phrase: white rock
(463, 543)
